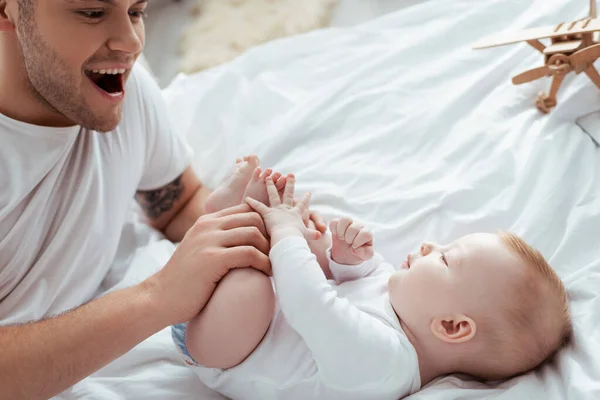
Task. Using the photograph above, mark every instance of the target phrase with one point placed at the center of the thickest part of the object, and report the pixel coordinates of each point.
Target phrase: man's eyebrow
(111, 2)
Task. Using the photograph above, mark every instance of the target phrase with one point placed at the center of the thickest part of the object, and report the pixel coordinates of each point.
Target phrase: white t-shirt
(329, 340)
(64, 197)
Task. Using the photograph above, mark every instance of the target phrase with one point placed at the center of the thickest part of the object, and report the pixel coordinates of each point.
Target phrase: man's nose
(125, 37)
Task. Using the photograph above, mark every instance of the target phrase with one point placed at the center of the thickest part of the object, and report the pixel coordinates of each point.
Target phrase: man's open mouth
(111, 80)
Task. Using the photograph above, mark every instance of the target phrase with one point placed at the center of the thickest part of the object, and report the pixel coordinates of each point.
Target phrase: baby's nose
(426, 248)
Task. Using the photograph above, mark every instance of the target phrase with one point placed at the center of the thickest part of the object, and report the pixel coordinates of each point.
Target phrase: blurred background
(193, 35)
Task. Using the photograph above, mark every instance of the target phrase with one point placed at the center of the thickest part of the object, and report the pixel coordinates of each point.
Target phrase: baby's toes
(266, 173)
(255, 175)
(280, 185)
(252, 160)
(275, 176)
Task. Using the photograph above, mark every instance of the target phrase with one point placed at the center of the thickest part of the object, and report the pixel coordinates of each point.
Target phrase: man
(83, 131)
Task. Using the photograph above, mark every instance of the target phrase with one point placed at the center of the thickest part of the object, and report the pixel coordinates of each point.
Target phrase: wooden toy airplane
(573, 48)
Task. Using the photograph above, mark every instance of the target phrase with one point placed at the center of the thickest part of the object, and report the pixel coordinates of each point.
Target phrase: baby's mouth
(406, 263)
(110, 81)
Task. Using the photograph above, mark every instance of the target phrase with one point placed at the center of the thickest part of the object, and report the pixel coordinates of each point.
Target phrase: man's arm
(175, 207)
(40, 359)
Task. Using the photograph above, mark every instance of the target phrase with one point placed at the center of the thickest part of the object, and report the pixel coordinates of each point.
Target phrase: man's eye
(92, 14)
(138, 14)
(443, 258)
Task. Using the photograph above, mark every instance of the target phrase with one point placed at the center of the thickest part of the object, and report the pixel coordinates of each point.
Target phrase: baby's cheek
(397, 297)
(395, 284)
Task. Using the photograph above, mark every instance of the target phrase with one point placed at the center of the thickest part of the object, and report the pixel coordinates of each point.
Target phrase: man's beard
(54, 84)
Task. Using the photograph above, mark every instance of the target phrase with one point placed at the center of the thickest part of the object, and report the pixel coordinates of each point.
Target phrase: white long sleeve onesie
(328, 340)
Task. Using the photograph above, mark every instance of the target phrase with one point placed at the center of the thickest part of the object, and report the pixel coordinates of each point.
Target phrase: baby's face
(466, 276)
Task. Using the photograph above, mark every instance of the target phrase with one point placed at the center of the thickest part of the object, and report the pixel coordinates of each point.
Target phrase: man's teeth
(109, 71)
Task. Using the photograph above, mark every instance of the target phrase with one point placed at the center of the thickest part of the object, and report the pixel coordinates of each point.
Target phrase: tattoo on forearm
(159, 201)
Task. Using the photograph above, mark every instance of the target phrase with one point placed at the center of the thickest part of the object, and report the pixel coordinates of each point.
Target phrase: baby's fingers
(343, 225)
(288, 193)
(274, 199)
(257, 206)
(352, 232)
(363, 252)
(302, 205)
(333, 226)
(311, 234)
(364, 237)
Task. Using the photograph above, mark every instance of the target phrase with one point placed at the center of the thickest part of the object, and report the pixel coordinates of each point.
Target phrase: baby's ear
(454, 329)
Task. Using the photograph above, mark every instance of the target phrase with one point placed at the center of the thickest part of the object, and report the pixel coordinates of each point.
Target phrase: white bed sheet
(399, 123)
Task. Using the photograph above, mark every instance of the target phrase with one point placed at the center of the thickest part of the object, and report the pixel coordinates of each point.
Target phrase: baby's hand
(352, 243)
(284, 216)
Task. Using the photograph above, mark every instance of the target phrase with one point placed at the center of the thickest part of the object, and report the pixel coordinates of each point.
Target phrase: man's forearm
(41, 359)
(193, 209)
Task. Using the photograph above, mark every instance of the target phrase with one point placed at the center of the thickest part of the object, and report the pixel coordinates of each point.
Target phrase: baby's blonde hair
(537, 321)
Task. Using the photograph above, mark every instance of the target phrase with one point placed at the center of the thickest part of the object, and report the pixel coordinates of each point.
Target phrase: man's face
(78, 55)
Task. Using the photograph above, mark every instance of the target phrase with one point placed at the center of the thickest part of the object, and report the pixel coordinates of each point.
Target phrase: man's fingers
(246, 256)
(246, 236)
(243, 220)
(363, 237)
(344, 223)
(288, 193)
(239, 209)
(351, 232)
(274, 199)
(257, 206)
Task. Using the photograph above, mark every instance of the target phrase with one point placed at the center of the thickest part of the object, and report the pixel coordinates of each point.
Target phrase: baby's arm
(352, 349)
(351, 255)
(349, 346)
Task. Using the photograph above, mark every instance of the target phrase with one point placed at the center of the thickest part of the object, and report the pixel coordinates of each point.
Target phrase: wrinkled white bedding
(399, 123)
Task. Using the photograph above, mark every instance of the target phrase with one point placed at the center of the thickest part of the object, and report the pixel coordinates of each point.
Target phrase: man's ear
(6, 22)
(454, 329)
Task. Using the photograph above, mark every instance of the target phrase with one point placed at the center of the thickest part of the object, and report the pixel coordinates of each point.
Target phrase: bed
(399, 123)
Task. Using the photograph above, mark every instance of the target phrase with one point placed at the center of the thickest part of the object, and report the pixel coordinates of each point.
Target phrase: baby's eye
(443, 258)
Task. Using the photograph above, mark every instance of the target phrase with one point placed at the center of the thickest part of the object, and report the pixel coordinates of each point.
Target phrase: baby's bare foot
(257, 187)
(231, 191)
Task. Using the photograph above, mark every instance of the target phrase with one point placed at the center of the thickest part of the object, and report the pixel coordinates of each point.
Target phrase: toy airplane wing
(574, 28)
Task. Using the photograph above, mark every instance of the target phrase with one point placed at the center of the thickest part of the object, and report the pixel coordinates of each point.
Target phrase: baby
(485, 305)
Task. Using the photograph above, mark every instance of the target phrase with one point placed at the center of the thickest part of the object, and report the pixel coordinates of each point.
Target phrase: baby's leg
(234, 321)
(231, 191)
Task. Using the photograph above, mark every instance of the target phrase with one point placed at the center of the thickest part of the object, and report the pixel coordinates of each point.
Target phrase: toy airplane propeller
(572, 49)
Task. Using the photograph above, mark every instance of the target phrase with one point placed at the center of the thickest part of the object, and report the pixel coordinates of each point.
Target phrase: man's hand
(284, 217)
(352, 244)
(231, 238)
